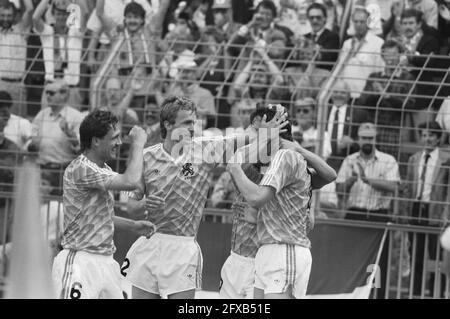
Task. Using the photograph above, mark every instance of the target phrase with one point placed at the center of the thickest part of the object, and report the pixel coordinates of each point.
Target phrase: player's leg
(111, 279)
(140, 267)
(227, 275)
(137, 293)
(303, 262)
(180, 267)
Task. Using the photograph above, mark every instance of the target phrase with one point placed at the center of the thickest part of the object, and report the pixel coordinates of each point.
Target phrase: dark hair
(5, 99)
(170, 108)
(270, 113)
(96, 124)
(318, 6)
(6, 5)
(433, 127)
(136, 9)
(252, 172)
(410, 13)
(267, 4)
(392, 44)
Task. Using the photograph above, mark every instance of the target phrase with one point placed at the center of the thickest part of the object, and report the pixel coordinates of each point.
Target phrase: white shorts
(83, 275)
(164, 264)
(278, 266)
(237, 277)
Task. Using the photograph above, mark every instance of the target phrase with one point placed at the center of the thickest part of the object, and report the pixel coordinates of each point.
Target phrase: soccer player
(169, 264)
(283, 260)
(238, 271)
(85, 268)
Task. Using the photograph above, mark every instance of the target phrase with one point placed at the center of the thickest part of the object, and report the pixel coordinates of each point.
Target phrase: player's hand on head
(138, 135)
(277, 122)
(144, 228)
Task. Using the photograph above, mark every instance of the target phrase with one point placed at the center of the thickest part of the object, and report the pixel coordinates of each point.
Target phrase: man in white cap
(223, 17)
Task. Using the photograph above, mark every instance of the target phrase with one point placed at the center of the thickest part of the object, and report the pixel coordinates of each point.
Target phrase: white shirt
(443, 116)
(13, 52)
(341, 120)
(361, 63)
(383, 166)
(18, 130)
(431, 166)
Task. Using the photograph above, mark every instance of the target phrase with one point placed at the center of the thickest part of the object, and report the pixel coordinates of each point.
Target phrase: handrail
(101, 73)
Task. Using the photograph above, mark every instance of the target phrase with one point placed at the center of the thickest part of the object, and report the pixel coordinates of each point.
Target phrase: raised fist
(138, 135)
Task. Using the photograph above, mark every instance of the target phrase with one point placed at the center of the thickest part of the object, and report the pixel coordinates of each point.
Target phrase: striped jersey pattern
(243, 236)
(88, 207)
(183, 182)
(285, 219)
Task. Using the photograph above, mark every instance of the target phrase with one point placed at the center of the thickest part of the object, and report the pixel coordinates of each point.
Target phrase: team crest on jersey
(187, 170)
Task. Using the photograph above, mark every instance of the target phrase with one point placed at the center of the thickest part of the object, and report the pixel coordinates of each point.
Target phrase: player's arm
(140, 227)
(131, 178)
(325, 173)
(254, 194)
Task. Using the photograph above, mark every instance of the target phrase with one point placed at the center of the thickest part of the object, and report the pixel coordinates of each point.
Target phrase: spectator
(429, 8)
(417, 42)
(443, 119)
(62, 45)
(104, 23)
(13, 49)
(139, 45)
(388, 97)
(151, 122)
(428, 190)
(303, 76)
(362, 54)
(305, 131)
(18, 129)
(9, 152)
(223, 18)
(56, 135)
(342, 125)
(327, 40)
(370, 178)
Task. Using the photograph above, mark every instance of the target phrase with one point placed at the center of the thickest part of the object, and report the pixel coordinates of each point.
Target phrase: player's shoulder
(288, 155)
(82, 166)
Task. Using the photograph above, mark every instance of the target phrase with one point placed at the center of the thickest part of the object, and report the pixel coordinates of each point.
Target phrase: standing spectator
(343, 123)
(223, 18)
(62, 45)
(13, 49)
(429, 193)
(17, 129)
(56, 135)
(327, 40)
(388, 97)
(362, 54)
(305, 131)
(370, 178)
(417, 42)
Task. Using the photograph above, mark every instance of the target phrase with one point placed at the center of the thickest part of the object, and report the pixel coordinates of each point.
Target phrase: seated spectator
(328, 41)
(303, 76)
(343, 123)
(56, 133)
(417, 42)
(388, 99)
(18, 129)
(428, 190)
(304, 131)
(366, 183)
(13, 51)
(62, 45)
(361, 54)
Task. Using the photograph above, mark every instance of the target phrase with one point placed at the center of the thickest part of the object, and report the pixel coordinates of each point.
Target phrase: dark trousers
(379, 216)
(420, 215)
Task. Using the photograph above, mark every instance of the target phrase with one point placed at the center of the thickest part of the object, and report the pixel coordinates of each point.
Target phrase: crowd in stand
(369, 87)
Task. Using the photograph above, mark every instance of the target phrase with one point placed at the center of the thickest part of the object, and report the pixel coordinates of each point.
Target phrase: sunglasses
(304, 111)
(52, 93)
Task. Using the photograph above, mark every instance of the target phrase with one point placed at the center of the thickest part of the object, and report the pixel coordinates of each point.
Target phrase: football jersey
(88, 207)
(285, 219)
(183, 182)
